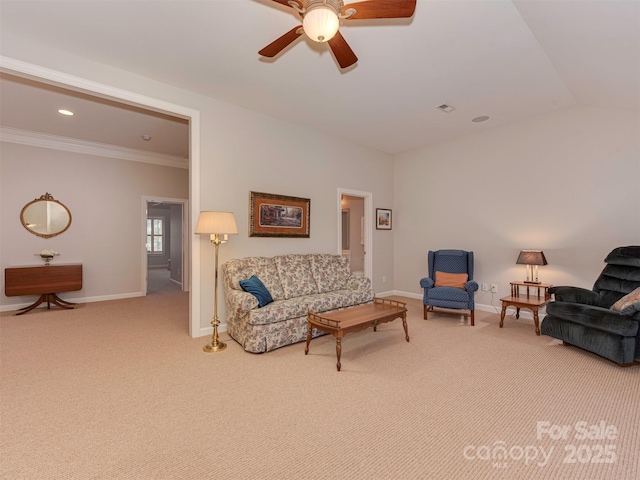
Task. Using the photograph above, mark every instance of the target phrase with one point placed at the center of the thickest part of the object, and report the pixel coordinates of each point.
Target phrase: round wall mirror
(45, 216)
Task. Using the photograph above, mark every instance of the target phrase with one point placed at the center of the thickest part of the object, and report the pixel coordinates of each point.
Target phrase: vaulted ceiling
(507, 60)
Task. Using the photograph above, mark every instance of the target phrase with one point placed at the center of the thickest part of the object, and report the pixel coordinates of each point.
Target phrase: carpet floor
(118, 390)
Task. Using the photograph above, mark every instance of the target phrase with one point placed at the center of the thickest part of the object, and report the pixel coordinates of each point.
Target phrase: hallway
(158, 281)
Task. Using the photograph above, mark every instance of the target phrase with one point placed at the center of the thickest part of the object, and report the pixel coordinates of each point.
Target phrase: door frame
(46, 75)
(184, 280)
(368, 226)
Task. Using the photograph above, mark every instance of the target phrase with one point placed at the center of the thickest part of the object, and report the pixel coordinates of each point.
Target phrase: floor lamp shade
(216, 224)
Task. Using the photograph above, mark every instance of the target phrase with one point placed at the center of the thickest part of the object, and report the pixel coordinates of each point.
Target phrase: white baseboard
(101, 298)
(524, 313)
(208, 331)
(386, 294)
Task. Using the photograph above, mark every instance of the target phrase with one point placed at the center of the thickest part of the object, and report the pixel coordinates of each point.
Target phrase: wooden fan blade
(380, 9)
(342, 51)
(281, 43)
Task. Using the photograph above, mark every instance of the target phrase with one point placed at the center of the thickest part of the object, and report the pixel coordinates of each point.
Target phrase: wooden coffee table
(354, 319)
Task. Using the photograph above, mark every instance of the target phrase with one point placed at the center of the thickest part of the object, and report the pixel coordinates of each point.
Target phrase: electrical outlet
(485, 287)
(494, 288)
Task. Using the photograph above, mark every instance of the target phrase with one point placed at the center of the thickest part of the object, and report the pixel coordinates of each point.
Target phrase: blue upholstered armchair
(446, 285)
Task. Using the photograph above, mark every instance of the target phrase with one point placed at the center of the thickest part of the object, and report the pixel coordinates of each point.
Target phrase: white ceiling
(31, 106)
(506, 59)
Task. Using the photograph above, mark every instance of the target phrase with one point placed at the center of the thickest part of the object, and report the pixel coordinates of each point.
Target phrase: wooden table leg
(43, 298)
(404, 325)
(536, 320)
(504, 311)
(517, 312)
(338, 351)
(309, 327)
(49, 298)
(56, 300)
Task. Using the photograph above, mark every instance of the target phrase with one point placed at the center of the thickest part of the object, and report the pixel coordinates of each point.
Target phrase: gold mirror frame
(45, 216)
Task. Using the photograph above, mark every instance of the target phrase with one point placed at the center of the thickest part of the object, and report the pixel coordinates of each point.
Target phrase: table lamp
(216, 224)
(531, 258)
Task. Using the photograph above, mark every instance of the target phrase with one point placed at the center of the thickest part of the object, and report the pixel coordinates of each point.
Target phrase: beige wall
(241, 151)
(104, 196)
(567, 183)
(253, 152)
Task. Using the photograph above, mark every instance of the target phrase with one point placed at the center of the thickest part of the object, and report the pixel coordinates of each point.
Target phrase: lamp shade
(217, 222)
(531, 257)
(320, 23)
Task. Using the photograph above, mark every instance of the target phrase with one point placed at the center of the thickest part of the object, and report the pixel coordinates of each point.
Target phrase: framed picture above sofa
(273, 215)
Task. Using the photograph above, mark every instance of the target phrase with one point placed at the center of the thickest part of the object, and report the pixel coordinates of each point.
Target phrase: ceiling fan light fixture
(320, 23)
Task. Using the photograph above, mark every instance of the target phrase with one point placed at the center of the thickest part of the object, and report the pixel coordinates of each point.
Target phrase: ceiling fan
(321, 21)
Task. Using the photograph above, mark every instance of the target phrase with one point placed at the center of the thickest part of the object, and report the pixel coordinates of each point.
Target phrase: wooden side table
(45, 281)
(541, 289)
(537, 296)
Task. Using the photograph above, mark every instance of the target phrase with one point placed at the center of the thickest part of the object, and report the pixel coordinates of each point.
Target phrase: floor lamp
(216, 224)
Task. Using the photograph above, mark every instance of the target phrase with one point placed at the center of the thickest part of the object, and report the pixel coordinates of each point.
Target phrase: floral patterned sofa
(297, 283)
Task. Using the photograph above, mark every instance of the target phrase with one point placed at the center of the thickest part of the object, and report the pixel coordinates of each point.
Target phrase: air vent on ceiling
(445, 108)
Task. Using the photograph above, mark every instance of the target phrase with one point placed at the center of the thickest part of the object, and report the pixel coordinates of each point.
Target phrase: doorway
(165, 245)
(17, 67)
(354, 230)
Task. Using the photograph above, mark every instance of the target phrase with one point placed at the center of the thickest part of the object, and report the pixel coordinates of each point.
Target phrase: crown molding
(44, 140)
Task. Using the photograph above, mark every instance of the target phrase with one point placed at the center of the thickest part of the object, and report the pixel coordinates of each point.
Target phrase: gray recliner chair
(584, 318)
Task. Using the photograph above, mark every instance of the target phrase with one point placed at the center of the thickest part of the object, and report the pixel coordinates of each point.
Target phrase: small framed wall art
(278, 215)
(383, 219)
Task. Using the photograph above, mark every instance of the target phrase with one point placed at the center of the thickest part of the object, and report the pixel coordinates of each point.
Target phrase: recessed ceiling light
(65, 112)
(146, 137)
(483, 118)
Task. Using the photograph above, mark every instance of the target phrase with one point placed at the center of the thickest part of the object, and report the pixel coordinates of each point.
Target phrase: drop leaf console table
(44, 280)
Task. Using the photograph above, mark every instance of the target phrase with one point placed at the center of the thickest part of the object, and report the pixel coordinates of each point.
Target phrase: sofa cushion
(629, 304)
(330, 272)
(255, 287)
(279, 311)
(300, 306)
(295, 275)
(263, 268)
(325, 302)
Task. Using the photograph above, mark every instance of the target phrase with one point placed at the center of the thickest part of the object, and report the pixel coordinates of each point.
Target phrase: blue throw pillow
(256, 288)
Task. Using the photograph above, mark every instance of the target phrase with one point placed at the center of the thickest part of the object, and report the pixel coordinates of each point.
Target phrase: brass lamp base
(211, 348)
